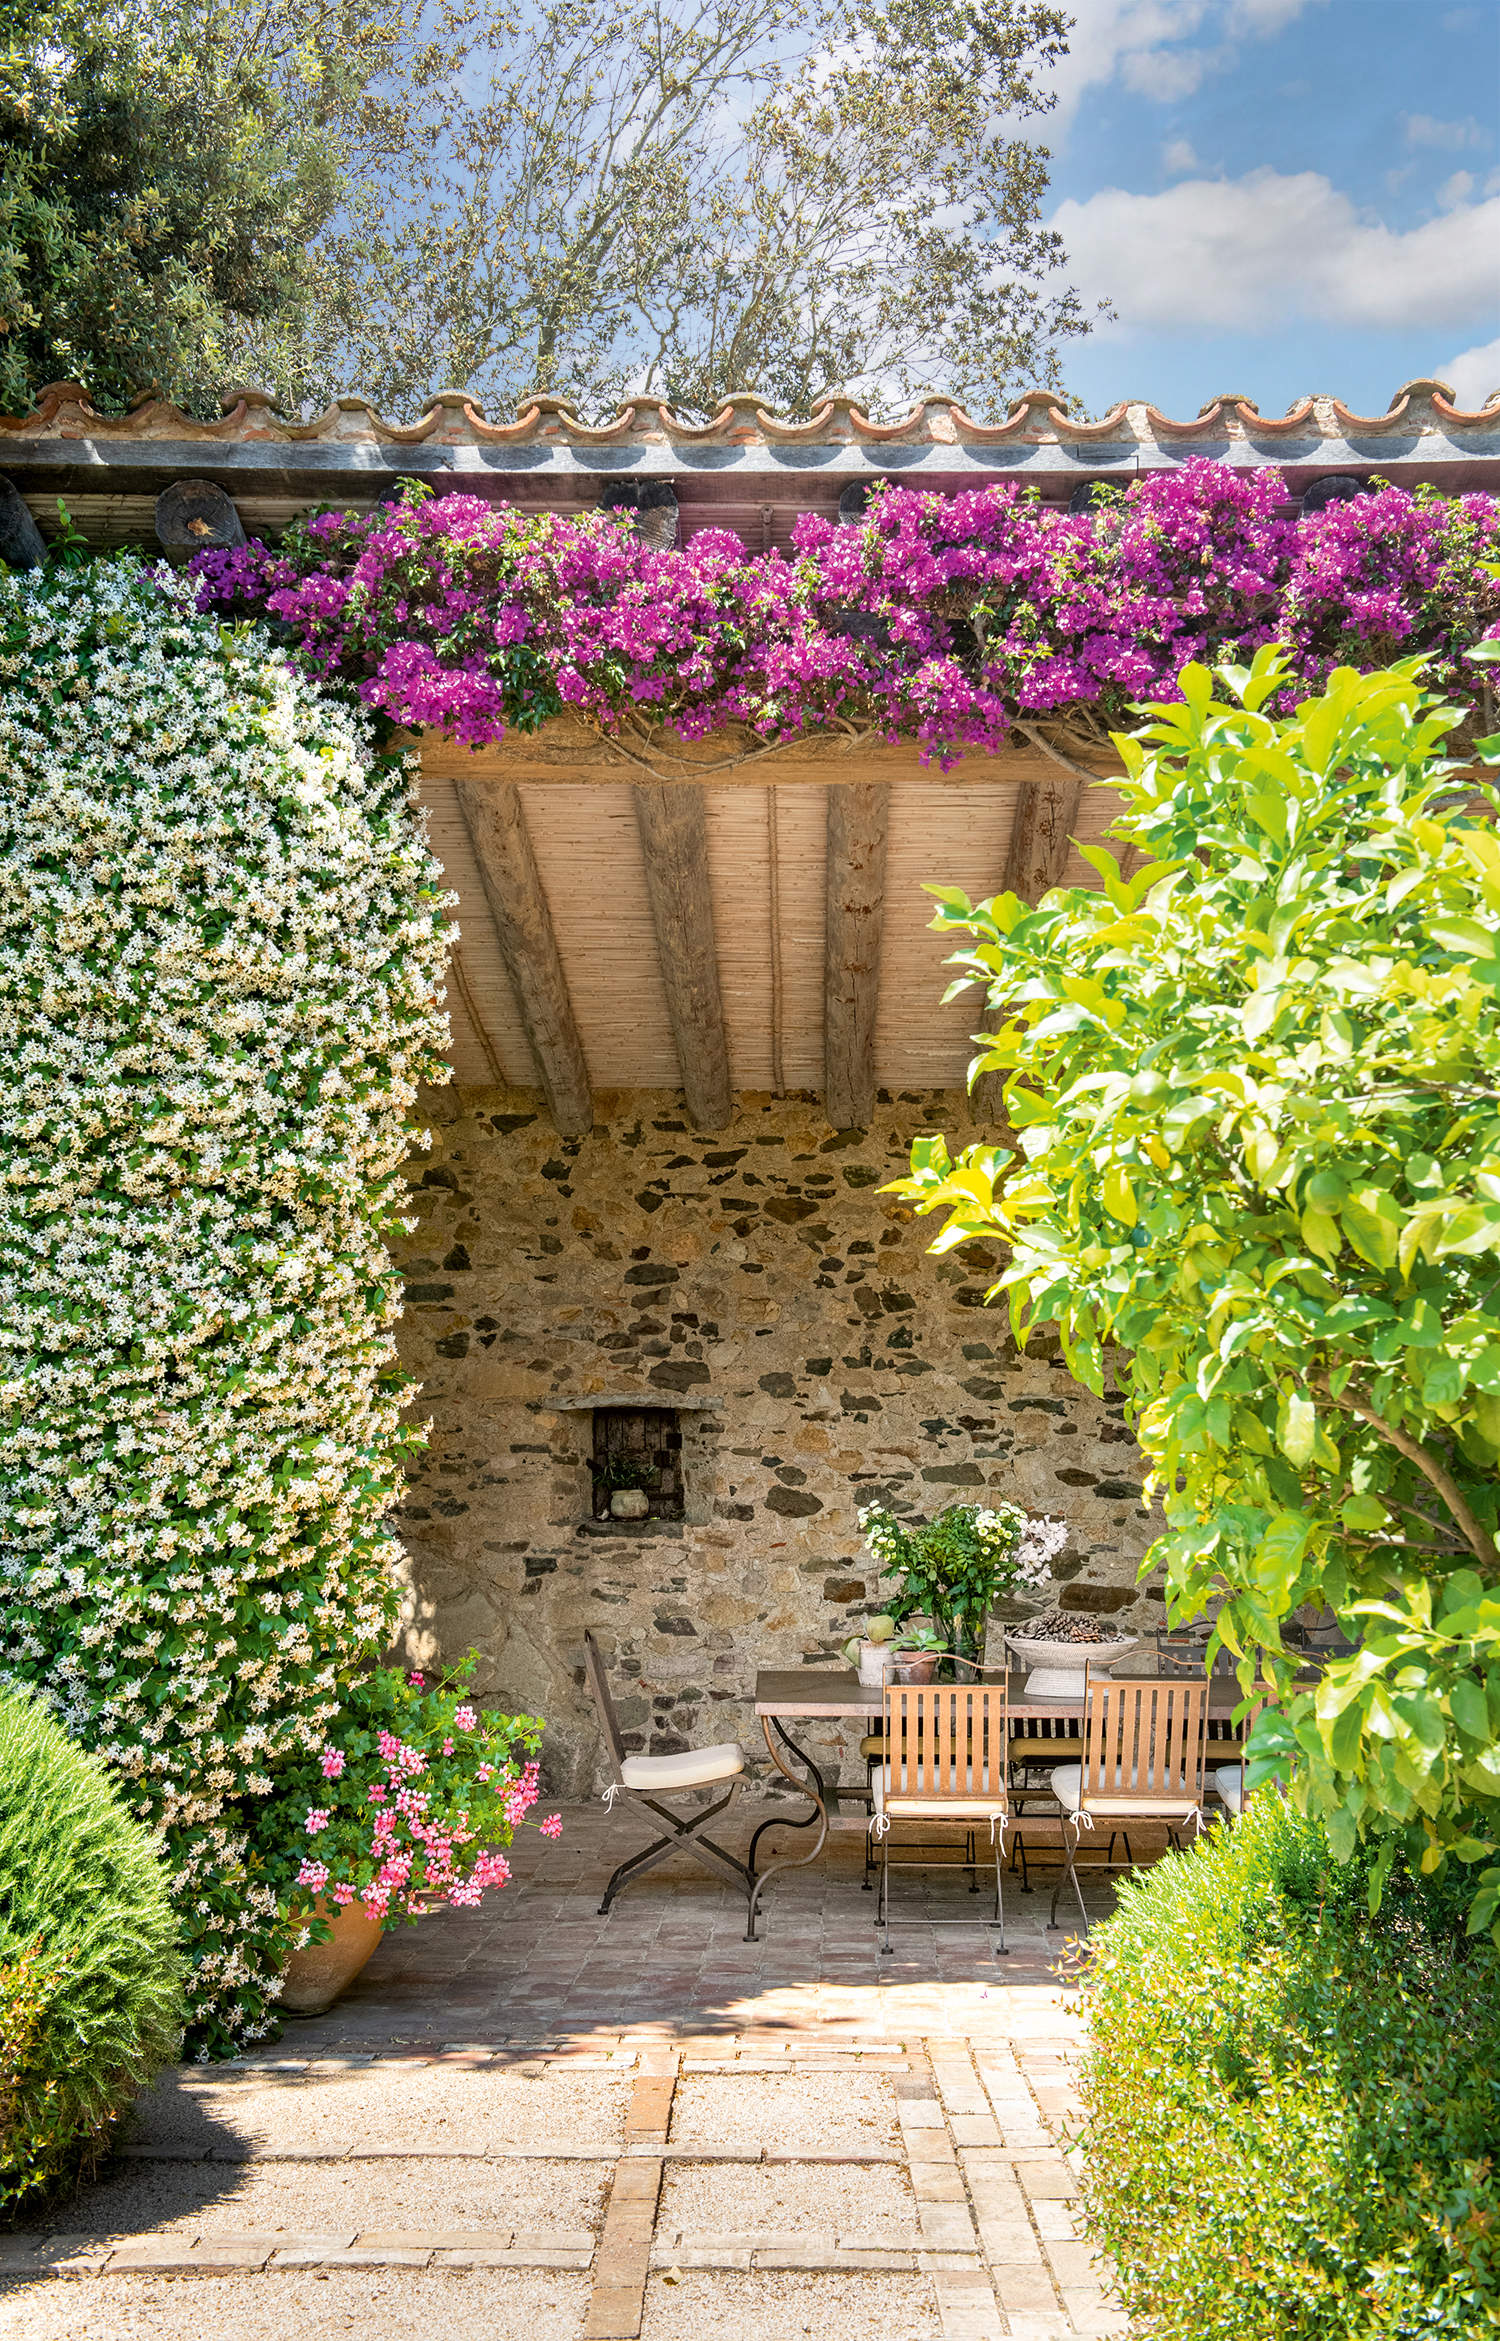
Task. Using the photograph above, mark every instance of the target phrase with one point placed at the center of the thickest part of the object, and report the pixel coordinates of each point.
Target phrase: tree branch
(1028, 731)
(1475, 1535)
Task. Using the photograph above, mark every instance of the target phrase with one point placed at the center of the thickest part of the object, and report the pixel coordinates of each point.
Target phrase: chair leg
(884, 1921)
(971, 1862)
(999, 1896)
(636, 1867)
(685, 1836)
(1070, 1872)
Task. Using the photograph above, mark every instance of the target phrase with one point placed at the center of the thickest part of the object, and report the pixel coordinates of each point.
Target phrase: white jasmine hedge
(220, 961)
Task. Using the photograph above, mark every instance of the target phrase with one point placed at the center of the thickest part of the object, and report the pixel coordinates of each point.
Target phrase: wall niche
(637, 1451)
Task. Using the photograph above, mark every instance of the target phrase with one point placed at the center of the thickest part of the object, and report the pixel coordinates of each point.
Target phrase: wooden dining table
(787, 1696)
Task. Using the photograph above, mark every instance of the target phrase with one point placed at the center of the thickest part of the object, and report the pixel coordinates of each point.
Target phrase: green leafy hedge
(1291, 2108)
(91, 1975)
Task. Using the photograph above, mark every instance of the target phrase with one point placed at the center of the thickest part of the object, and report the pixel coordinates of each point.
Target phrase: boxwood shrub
(1292, 2109)
(91, 1975)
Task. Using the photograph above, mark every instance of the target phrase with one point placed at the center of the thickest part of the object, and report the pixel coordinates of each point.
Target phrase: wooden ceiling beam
(496, 822)
(1041, 835)
(858, 830)
(566, 753)
(673, 827)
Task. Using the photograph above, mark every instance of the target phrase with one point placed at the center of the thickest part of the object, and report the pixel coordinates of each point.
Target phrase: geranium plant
(409, 1801)
(955, 1568)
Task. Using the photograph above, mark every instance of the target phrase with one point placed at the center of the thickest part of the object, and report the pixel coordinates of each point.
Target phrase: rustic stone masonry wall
(760, 1268)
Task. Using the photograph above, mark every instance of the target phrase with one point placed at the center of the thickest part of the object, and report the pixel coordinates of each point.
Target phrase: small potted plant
(625, 1485)
(917, 1653)
(874, 1651)
(953, 1569)
(406, 1802)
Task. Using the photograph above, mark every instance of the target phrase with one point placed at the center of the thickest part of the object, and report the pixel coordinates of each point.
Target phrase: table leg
(780, 1745)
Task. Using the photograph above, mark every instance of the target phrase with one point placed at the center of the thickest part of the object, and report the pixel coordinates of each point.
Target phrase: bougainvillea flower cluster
(220, 962)
(408, 1803)
(946, 620)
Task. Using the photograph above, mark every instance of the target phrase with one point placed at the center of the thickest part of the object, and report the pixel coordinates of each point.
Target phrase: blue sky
(1281, 196)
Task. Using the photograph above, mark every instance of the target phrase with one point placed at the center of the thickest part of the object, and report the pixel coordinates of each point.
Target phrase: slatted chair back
(947, 1742)
(599, 1685)
(1144, 1740)
(1187, 1654)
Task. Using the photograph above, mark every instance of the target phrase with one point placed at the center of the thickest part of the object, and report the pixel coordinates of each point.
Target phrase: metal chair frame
(873, 1764)
(684, 1830)
(1144, 1752)
(946, 1743)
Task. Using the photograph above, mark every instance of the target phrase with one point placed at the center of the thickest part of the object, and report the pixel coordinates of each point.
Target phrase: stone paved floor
(527, 2118)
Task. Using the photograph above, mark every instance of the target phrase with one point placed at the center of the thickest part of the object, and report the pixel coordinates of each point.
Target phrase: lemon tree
(1255, 1173)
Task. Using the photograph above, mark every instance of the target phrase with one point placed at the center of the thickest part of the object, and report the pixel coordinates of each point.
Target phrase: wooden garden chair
(645, 1780)
(1144, 1749)
(946, 1750)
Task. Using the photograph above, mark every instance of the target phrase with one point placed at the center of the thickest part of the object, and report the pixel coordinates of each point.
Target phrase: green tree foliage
(686, 199)
(1257, 1155)
(1290, 2113)
(696, 198)
(90, 1969)
(163, 173)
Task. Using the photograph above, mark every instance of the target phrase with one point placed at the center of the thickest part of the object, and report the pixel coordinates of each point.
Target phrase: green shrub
(91, 1976)
(1290, 2107)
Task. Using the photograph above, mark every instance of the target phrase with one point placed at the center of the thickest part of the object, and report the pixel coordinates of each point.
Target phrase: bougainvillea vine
(947, 620)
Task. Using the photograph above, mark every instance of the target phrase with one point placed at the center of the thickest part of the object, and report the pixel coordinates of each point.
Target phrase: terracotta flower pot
(916, 1666)
(317, 1973)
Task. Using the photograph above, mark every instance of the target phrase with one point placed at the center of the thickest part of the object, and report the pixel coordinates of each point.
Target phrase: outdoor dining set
(1011, 1766)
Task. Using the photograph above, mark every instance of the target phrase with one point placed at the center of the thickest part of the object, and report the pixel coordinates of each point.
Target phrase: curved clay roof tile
(1294, 419)
(1488, 412)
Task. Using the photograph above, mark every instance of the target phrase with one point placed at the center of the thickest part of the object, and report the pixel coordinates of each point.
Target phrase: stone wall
(760, 1269)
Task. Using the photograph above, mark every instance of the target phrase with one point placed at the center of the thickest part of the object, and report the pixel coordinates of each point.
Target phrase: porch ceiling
(732, 935)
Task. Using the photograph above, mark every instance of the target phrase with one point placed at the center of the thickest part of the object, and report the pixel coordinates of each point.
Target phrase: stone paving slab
(852, 2305)
(827, 2112)
(333, 2110)
(325, 2305)
(861, 2206)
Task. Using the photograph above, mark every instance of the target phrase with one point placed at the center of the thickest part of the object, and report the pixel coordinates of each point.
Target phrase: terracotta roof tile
(65, 410)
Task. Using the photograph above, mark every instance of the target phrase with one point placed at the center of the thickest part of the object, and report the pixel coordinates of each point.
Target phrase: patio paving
(526, 2117)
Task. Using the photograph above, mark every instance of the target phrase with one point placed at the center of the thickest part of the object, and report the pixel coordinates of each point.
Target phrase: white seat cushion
(928, 1800)
(694, 1768)
(1229, 1780)
(1067, 1787)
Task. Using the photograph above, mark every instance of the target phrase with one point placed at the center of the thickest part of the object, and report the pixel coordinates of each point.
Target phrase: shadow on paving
(537, 1960)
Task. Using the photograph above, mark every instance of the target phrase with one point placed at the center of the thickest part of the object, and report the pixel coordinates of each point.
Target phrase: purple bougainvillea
(942, 619)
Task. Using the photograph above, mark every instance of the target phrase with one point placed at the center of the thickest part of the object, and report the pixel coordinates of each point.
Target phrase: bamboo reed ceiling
(757, 924)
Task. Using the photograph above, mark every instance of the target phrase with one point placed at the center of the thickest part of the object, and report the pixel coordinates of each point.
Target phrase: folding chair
(945, 1760)
(1144, 1749)
(693, 1769)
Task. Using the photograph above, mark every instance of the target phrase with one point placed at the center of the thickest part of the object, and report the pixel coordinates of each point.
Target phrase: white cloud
(1473, 373)
(1170, 75)
(1211, 254)
(1264, 17)
(1449, 137)
(1139, 42)
(1456, 190)
(1178, 155)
